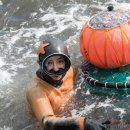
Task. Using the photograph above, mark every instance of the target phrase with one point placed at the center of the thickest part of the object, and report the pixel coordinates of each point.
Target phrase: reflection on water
(21, 23)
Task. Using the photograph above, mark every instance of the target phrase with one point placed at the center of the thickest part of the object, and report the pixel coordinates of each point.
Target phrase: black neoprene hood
(54, 47)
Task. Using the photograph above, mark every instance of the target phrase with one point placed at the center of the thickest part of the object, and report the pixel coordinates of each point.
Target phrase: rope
(95, 82)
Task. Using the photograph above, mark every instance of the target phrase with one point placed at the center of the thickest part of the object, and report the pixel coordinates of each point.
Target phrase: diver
(53, 86)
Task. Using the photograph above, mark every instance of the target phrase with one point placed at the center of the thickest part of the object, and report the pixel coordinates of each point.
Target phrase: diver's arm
(39, 103)
(73, 123)
(43, 111)
(69, 123)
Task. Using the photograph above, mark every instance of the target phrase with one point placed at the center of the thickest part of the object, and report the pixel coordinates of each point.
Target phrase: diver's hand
(90, 124)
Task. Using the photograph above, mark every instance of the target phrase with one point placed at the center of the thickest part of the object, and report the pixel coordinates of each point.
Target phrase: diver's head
(53, 57)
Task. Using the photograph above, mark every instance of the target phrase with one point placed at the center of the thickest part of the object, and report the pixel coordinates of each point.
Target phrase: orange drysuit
(45, 100)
